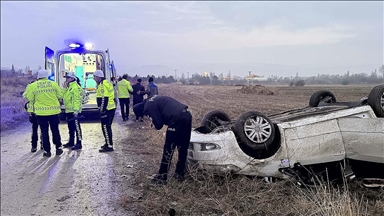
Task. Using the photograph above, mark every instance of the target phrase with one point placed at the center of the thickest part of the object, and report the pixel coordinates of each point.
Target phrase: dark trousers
(74, 127)
(53, 122)
(178, 135)
(136, 102)
(124, 103)
(136, 113)
(35, 126)
(106, 125)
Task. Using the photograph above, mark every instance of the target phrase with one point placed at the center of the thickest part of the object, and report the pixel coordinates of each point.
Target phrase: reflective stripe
(106, 135)
(48, 108)
(44, 90)
(78, 131)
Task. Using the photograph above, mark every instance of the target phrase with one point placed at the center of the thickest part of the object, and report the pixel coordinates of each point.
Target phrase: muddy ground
(81, 182)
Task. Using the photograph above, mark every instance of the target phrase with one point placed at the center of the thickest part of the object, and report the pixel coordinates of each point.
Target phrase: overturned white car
(319, 139)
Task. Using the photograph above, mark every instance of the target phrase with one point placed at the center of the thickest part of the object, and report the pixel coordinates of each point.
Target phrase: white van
(83, 61)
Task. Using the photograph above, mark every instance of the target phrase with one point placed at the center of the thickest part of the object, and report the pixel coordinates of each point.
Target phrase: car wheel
(321, 96)
(376, 100)
(214, 119)
(254, 130)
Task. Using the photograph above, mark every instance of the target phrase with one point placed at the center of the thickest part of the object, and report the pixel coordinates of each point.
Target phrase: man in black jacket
(164, 110)
(138, 96)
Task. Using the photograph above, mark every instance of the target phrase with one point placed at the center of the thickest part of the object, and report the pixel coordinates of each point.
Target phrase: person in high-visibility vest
(44, 95)
(105, 95)
(73, 97)
(124, 89)
(32, 119)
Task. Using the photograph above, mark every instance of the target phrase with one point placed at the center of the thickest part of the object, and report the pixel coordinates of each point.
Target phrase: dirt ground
(87, 182)
(75, 183)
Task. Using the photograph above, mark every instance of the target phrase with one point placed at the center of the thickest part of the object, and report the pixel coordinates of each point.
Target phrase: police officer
(124, 89)
(105, 101)
(44, 95)
(164, 110)
(32, 119)
(72, 97)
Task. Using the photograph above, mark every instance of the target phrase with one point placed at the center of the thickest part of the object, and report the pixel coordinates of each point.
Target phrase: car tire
(319, 96)
(254, 130)
(376, 100)
(214, 118)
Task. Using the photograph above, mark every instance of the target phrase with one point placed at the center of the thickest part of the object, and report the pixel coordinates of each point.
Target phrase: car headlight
(205, 146)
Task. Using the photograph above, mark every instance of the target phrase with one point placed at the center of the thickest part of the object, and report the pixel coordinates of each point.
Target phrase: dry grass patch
(205, 193)
(12, 103)
(257, 89)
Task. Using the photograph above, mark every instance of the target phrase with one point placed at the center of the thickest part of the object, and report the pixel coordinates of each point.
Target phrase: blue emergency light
(79, 45)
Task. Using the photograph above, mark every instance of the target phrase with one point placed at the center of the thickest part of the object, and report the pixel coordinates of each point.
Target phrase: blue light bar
(74, 45)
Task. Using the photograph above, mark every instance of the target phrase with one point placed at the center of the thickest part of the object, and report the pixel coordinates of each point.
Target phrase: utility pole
(188, 78)
(249, 78)
(175, 73)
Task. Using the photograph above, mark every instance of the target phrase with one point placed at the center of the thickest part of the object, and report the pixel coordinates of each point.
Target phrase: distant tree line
(376, 77)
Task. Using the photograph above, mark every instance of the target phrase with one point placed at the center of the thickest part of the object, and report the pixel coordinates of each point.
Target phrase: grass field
(208, 194)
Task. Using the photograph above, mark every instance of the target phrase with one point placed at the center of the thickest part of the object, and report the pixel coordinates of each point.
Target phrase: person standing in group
(44, 96)
(151, 88)
(124, 89)
(72, 97)
(32, 119)
(105, 101)
(164, 110)
(138, 96)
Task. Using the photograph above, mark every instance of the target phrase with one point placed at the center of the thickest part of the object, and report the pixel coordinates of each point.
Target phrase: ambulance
(83, 60)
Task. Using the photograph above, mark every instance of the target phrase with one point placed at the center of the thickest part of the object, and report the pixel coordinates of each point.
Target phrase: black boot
(47, 154)
(59, 151)
(106, 148)
(77, 146)
(68, 145)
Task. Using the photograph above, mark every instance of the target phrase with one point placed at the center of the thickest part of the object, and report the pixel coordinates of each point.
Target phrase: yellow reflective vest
(29, 107)
(124, 89)
(73, 98)
(44, 96)
(105, 89)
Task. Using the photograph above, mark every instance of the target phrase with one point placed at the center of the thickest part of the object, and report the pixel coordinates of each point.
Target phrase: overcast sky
(279, 38)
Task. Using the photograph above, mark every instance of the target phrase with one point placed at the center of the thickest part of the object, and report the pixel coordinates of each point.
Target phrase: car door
(363, 138)
(50, 64)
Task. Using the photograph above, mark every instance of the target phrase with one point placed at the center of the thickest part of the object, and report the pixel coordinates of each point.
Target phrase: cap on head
(70, 75)
(125, 76)
(98, 73)
(42, 73)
